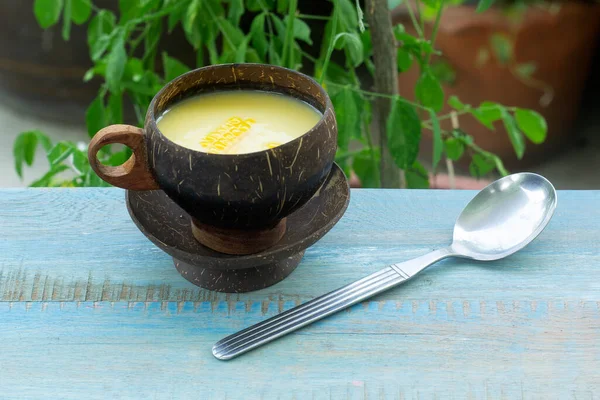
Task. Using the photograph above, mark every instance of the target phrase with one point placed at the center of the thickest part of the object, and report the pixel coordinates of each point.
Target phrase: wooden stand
(237, 241)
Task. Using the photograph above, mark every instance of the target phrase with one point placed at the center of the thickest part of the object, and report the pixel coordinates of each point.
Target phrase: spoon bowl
(504, 217)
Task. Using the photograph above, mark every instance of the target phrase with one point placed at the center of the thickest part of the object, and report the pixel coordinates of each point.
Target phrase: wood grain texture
(133, 174)
(89, 308)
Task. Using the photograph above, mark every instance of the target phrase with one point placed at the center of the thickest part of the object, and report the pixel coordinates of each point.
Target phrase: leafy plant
(124, 48)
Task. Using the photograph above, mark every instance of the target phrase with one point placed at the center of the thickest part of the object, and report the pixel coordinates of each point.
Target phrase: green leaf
(367, 168)
(134, 70)
(115, 108)
(240, 52)
(326, 38)
(46, 180)
(484, 5)
(24, 150)
(252, 56)
(336, 74)
(194, 37)
(347, 105)
(429, 91)
(487, 113)
(47, 12)
(100, 33)
(438, 144)
(503, 47)
(394, 3)
(234, 36)
(257, 31)
(151, 40)
(274, 57)
(301, 29)
(417, 47)
(43, 140)
(80, 10)
(499, 165)
(95, 116)
(514, 134)
(119, 157)
(454, 148)
(352, 42)
(173, 67)
(60, 152)
(131, 9)
(462, 136)
(481, 164)
(365, 38)
(66, 29)
(443, 71)
(90, 179)
(189, 24)
(403, 59)
(282, 6)
(279, 27)
(80, 161)
(254, 5)
(127, 9)
(348, 18)
(455, 103)
(89, 75)
(175, 15)
(525, 70)
(532, 124)
(403, 133)
(235, 11)
(417, 177)
(115, 65)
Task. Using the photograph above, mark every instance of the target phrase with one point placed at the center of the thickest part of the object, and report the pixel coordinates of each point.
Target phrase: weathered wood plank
(377, 350)
(79, 245)
(90, 309)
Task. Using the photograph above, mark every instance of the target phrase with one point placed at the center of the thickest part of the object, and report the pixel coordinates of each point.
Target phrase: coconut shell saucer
(170, 228)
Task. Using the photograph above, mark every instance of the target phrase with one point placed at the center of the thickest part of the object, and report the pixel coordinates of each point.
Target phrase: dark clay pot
(229, 193)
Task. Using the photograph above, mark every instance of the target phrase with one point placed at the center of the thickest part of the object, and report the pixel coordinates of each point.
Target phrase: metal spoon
(500, 220)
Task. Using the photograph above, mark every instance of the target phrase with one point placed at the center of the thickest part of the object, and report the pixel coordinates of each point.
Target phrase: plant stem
(334, 23)
(450, 168)
(159, 14)
(309, 57)
(547, 90)
(347, 155)
(436, 26)
(136, 42)
(318, 17)
(289, 34)
(414, 20)
(375, 94)
(386, 82)
(418, 6)
(371, 150)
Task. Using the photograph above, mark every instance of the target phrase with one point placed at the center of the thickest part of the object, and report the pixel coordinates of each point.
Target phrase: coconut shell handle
(133, 174)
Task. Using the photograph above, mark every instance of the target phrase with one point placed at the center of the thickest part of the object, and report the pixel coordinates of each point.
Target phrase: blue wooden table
(89, 308)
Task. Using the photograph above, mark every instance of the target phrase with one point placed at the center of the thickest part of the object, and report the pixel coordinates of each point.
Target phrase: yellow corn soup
(236, 122)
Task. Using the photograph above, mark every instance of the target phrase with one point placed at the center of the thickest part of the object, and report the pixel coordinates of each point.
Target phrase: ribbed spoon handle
(318, 308)
(306, 313)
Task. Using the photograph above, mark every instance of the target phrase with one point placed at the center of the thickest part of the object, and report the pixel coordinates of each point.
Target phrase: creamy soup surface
(236, 122)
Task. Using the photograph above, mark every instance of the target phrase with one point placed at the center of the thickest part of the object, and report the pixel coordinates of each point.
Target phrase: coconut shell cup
(238, 202)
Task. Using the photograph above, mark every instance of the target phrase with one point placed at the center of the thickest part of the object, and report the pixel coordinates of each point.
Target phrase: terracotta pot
(561, 45)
